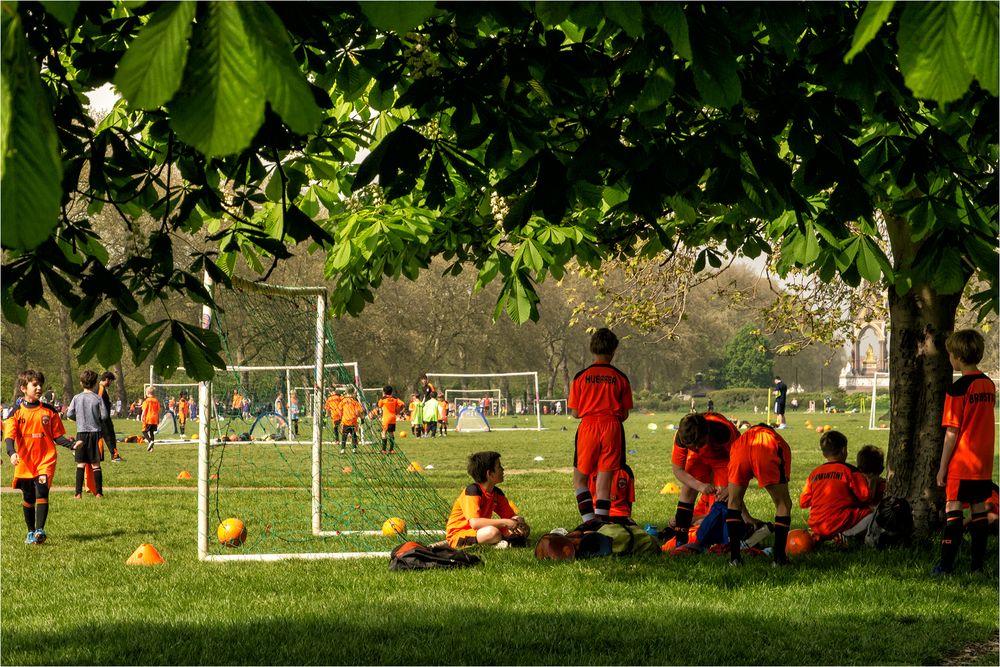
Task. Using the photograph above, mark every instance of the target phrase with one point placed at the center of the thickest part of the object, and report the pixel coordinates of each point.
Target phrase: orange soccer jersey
(34, 430)
(475, 503)
(351, 410)
(622, 491)
(760, 453)
(443, 405)
(150, 411)
(600, 390)
(332, 406)
(837, 497)
(391, 407)
(710, 463)
(969, 407)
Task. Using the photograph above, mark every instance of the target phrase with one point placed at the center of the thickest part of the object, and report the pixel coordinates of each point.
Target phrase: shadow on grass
(100, 536)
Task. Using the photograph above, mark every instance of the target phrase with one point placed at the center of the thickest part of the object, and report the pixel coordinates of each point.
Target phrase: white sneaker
(503, 544)
(783, 426)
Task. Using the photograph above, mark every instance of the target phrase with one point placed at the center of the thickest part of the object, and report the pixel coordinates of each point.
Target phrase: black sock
(781, 526)
(41, 513)
(80, 473)
(685, 512)
(734, 527)
(585, 503)
(603, 508)
(978, 533)
(98, 482)
(392, 443)
(29, 516)
(951, 540)
(384, 443)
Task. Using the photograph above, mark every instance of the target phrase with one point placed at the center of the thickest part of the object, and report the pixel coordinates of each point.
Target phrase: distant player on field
(150, 417)
(966, 470)
(88, 411)
(390, 407)
(600, 397)
(780, 393)
(430, 415)
(442, 415)
(700, 461)
(416, 416)
(760, 452)
(108, 425)
(351, 413)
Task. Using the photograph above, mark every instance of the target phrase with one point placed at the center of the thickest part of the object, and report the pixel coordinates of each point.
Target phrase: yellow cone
(146, 554)
(414, 467)
(184, 474)
(670, 487)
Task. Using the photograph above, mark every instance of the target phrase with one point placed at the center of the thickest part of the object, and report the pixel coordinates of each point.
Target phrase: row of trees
(849, 141)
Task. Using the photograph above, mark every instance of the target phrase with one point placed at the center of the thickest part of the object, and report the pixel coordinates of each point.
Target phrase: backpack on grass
(892, 525)
(417, 556)
(629, 540)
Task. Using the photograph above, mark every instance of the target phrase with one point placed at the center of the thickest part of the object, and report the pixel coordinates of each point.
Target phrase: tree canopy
(509, 138)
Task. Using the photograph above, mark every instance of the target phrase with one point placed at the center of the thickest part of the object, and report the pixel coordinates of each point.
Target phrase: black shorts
(975, 490)
(779, 407)
(389, 428)
(90, 450)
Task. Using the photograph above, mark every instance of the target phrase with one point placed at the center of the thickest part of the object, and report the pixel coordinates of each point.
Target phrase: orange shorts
(462, 538)
(760, 453)
(968, 490)
(714, 472)
(600, 445)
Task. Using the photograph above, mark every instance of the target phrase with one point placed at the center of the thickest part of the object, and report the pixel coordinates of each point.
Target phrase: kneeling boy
(836, 493)
(471, 521)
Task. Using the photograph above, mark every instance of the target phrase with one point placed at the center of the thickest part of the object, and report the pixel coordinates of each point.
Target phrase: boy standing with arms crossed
(966, 470)
(600, 397)
(88, 411)
(32, 433)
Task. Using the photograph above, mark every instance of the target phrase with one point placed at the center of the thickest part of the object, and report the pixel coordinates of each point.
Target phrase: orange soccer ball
(799, 542)
(232, 533)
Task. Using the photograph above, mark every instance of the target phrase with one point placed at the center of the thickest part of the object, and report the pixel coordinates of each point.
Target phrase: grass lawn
(74, 601)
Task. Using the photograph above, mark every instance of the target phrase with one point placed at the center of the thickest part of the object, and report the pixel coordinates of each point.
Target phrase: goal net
(508, 400)
(283, 477)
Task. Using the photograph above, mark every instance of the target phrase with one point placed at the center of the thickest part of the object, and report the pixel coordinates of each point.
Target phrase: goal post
(874, 423)
(531, 385)
(298, 496)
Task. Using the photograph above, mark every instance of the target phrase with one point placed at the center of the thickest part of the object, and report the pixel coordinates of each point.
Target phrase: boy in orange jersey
(600, 397)
(760, 452)
(182, 412)
(150, 418)
(837, 494)
(700, 461)
(108, 425)
(471, 521)
(442, 416)
(31, 433)
(966, 469)
(622, 495)
(351, 412)
(333, 403)
(390, 407)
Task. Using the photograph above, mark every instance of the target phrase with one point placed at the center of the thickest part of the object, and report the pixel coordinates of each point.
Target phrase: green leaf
(670, 17)
(977, 23)
(626, 14)
(199, 350)
(551, 13)
(31, 182)
(150, 71)
(657, 90)
(61, 9)
(948, 277)
(398, 17)
(169, 357)
(875, 14)
(867, 260)
(220, 106)
(283, 82)
(341, 256)
(930, 55)
(715, 74)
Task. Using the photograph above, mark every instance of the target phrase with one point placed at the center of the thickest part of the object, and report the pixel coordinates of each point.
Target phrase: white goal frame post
(533, 375)
(204, 434)
(873, 422)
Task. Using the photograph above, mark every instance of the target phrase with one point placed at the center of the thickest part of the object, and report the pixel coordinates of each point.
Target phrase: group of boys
(428, 415)
(712, 458)
(345, 413)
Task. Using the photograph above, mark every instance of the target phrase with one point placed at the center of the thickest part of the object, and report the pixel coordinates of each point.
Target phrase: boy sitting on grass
(471, 521)
(871, 463)
(836, 494)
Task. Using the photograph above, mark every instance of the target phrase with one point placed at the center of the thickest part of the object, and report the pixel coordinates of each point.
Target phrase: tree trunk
(65, 354)
(120, 393)
(920, 322)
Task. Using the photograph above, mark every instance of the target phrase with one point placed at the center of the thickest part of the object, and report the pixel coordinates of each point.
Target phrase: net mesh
(266, 470)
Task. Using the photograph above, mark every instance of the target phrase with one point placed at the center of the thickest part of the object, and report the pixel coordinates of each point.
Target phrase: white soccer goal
(557, 406)
(168, 431)
(465, 397)
(524, 383)
(298, 497)
(874, 411)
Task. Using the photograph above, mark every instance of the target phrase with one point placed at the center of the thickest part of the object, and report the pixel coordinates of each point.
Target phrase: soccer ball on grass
(232, 533)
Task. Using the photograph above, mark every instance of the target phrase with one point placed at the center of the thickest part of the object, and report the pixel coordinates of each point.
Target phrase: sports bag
(892, 525)
(417, 556)
(629, 540)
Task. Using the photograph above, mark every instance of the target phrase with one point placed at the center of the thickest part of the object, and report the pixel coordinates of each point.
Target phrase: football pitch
(74, 600)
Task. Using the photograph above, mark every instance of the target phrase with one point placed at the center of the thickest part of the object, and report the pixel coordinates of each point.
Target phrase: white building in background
(868, 358)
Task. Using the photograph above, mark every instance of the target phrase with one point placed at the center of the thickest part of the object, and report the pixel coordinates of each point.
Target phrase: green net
(274, 455)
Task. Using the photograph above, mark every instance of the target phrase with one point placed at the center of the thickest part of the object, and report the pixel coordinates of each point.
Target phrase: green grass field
(74, 600)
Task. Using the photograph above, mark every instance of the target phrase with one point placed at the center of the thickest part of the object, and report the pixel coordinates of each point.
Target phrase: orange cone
(184, 474)
(146, 554)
